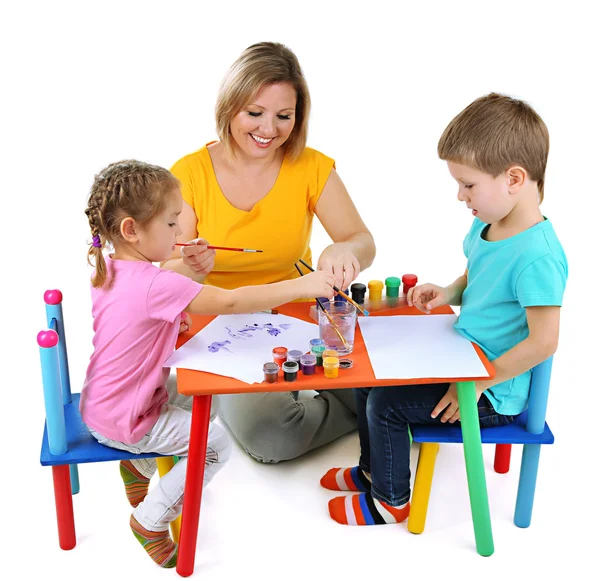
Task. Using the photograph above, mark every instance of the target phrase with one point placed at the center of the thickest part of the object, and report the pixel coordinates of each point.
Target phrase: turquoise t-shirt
(504, 277)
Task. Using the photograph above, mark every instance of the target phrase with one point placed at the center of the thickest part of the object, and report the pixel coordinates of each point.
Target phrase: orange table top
(191, 382)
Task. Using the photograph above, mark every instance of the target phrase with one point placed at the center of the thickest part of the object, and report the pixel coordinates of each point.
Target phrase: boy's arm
(543, 323)
(456, 289)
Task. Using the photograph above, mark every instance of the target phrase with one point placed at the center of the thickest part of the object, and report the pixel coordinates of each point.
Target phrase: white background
(88, 83)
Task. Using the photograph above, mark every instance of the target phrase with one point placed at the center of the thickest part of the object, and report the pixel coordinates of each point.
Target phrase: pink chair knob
(48, 338)
(53, 297)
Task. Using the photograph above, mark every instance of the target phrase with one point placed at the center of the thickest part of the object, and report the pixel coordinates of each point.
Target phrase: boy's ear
(129, 230)
(516, 176)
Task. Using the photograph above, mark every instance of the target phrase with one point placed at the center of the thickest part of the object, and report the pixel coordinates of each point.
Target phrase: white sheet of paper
(238, 345)
(413, 346)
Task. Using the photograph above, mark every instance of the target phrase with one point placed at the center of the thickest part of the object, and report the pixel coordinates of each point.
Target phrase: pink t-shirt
(136, 323)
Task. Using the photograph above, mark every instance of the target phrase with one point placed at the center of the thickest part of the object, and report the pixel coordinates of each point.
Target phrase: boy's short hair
(496, 132)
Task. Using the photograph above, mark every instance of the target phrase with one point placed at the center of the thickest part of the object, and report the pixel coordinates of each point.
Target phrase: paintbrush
(339, 292)
(222, 248)
(329, 318)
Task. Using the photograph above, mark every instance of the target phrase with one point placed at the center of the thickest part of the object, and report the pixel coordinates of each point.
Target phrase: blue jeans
(384, 415)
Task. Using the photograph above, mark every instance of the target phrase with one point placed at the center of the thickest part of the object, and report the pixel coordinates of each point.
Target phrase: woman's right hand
(316, 284)
(198, 257)
(427, 297)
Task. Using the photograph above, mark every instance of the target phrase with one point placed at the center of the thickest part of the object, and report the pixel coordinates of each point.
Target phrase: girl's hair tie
(96, 242)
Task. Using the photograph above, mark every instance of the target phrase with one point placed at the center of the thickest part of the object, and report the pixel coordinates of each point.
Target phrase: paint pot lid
(392, 281)
(375, 285)
(314, 342)
(410, 279)
(295, 353)
(346, 363)
(331, 362)
(308, 359)
(280, 351)
(271, 367)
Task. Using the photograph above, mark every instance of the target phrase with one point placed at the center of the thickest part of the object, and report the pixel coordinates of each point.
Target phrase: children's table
(202, 386)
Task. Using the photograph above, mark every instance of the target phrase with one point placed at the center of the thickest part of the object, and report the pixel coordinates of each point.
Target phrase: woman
(259, 187)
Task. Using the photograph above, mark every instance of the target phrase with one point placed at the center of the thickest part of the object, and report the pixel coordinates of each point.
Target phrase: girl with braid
(127, 401)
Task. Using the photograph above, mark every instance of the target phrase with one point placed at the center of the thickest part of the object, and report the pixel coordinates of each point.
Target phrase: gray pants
(272, 427)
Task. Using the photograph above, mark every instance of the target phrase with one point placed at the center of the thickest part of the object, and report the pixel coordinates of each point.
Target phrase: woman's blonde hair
(496, 132)
(122, 189)
(263, 64)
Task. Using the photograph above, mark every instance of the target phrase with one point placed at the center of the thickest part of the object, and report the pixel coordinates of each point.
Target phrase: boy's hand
(427, 297)
(316, 284)
(185, 324)
(449, 403)
(198, 257)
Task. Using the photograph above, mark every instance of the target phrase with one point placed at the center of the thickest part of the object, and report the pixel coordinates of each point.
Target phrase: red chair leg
(64, 507)
(502, 458)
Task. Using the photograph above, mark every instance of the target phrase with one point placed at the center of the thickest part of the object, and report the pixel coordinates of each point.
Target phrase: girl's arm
(212, 300)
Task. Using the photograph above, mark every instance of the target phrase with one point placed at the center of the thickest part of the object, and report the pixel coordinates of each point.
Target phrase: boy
(510, 297)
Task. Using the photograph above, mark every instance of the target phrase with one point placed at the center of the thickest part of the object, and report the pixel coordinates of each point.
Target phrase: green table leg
(480, 510)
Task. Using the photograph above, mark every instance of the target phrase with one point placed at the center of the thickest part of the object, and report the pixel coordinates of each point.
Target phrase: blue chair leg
(74, 474)
(527, 481)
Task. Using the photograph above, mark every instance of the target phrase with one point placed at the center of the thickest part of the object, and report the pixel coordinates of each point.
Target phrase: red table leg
(194, 478)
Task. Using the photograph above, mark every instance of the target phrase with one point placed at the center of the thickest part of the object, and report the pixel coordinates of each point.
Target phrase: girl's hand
(198, 257)
(316, 284)
(185, 323)
(338, 259)
(427, 297)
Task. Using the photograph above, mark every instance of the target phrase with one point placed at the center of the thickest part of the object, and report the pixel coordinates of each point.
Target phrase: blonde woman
(259, 186)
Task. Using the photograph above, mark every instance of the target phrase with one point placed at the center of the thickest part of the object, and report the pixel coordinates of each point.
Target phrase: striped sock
(158, 544)
(136, 484)
(346, 479)
(363, 509)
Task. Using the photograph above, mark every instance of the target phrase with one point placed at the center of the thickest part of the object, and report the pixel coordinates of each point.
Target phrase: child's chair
(66, 441)
(529, 428)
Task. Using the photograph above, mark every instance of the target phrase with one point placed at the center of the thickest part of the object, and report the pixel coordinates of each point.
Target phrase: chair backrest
(55, 372)
(538, 396)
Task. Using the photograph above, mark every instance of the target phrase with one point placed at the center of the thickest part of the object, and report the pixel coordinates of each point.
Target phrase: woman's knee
(265, 428)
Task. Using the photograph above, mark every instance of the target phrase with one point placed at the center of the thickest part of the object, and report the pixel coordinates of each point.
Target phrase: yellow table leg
(165, 464)
(422, 487)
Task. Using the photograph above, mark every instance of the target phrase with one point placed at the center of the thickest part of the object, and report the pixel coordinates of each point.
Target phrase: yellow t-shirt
(280, 224)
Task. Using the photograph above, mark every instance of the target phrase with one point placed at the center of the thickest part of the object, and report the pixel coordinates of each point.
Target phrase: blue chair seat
(515, 433)
(82, 446)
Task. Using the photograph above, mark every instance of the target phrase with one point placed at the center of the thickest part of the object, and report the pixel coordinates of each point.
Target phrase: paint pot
(346, 363)
(317, 351)
(307, 364)
(375, 290)
(392, 287)
(290, 370)
(271, 370)
(331, 367)
(294, 355)
(280, 355)
(408, 281)
(330, 353)
(358, 291)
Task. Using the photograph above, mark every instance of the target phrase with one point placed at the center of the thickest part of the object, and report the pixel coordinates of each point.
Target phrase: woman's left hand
(339, 259)
(185, 324)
